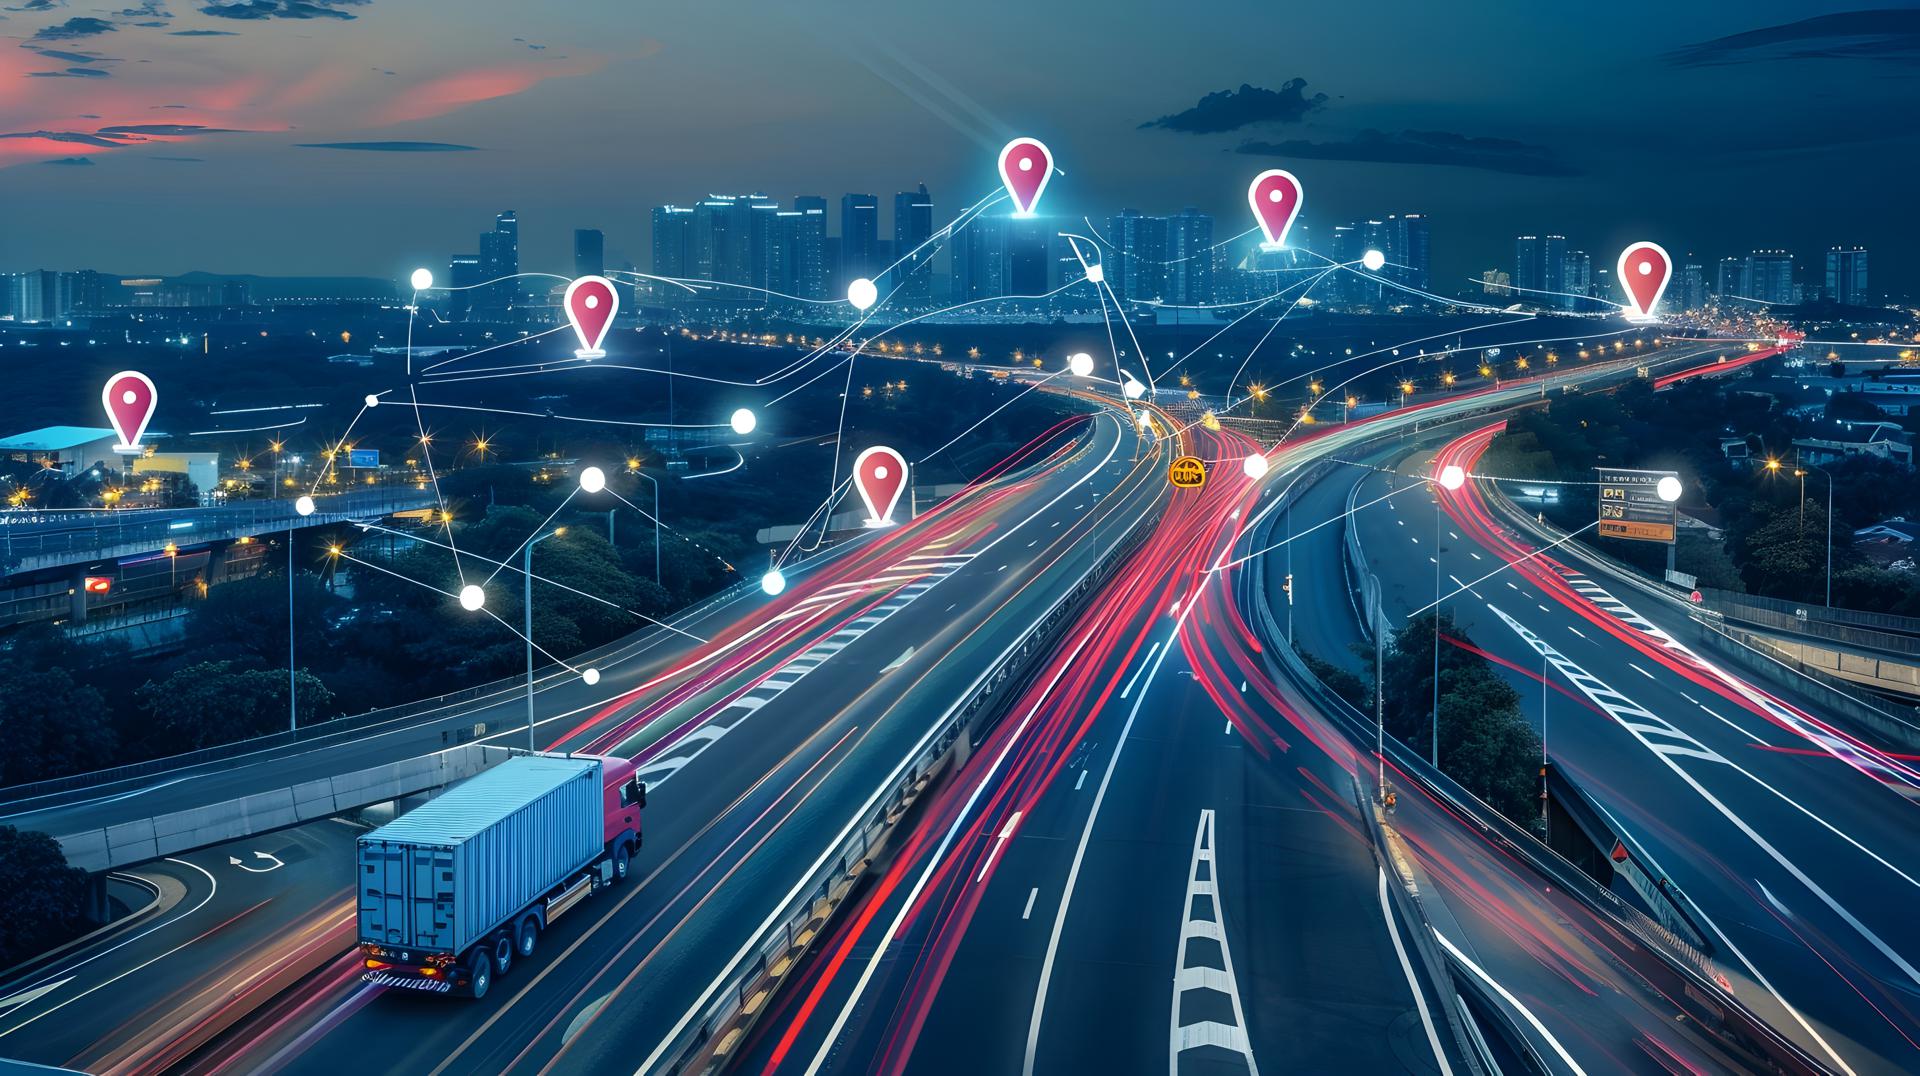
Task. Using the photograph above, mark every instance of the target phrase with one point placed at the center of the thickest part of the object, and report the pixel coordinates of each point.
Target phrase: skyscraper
(912, 227)
(1576, 278)
(1539, 265)
(589, 252)
(1189, 272)
(1409, 250)
(980, 260)
(1137, 268)
(859, 238)
(1770, 277)
(1691, 288)
(1029, 261)
(500, 263)
(811, 255)
(672, 242)
(1730, 277)
(1847, 275)
(464, 275)
(1344, 247)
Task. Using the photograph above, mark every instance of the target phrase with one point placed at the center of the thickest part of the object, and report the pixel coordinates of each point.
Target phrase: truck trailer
(452, 893)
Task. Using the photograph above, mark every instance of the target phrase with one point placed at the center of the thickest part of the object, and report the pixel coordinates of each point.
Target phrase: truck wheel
(481, 974)
(529, 937)
(620, 862)
(502, 954)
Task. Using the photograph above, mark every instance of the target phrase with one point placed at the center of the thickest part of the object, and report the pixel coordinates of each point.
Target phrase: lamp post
(1451, 478)
(526, 610)
(656, 524)
(1828, 475)
(293, 681)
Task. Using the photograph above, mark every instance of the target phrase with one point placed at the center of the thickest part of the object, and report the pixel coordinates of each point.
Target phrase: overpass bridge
(46, 557)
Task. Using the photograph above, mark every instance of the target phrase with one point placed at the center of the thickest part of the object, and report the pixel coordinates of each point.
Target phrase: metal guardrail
(701, 1046)
(1679, 970)
(1813, 621)
(1905, 626)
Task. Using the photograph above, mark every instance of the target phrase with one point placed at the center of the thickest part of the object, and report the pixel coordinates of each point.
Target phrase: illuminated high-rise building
(912, 227)
(1135, 267)
(1770, 277)
(1847, 275)
(589, 252)
(1189, 270)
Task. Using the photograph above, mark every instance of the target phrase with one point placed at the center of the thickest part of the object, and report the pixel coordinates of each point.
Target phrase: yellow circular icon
(1187, 472)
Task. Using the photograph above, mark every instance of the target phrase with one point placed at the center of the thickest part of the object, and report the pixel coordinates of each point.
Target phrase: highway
(1794, 839)
(743, 796)
(1160, 846)
(681, 712)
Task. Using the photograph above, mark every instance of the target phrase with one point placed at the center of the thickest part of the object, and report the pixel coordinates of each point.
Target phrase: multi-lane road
(1162, 852)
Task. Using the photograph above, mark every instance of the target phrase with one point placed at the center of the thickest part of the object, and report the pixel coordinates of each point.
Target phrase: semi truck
(452, 893)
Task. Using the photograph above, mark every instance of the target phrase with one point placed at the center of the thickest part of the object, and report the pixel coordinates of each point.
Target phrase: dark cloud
(157, 157)
(38, 5)
(391, 147)
(69, 57)
(69, 161)
(163, 130)
(72, 72)
(1885, 35)
(1424, 147)
(283, 9)
(204, 33)
(150, 9)
(77, 27)
(1230, 110)
(77, 137)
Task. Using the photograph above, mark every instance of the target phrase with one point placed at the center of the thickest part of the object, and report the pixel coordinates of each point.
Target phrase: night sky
(367, 136)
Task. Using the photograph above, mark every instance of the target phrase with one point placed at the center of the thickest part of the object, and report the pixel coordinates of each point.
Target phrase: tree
(212, 703)
(1786, 556)
(246, 619)
(1485, 742)
(41, 898)
(51, 722)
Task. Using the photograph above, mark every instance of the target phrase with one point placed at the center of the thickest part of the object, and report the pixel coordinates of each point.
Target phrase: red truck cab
(625, 797)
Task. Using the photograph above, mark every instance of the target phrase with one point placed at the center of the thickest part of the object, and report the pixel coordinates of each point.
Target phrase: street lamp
(1450, 478)
(1803, 512)
(526, 611)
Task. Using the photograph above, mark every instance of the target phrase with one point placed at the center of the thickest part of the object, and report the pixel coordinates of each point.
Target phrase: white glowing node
(590, 677)
(1452, 477)
(1255, 466)
(862, 294)
(1133, 389)
(372, 400)
(773, 582)
(593, 480)
(1143, 420)
(1373, 260)
(472, 597)
(1080, 364)
(742, 421)
(304, 505)
(1668, 488)
(422, 279)
(1096, 273)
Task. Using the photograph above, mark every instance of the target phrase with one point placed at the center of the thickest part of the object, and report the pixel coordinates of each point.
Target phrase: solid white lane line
(1413, 982)
(1641, 671)
(1733, 726)
(1511, 1000)
(1073, 871)
(1144, 662)
(1031, 893)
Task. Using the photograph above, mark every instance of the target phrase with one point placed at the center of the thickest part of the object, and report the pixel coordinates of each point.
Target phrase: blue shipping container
(444, 875)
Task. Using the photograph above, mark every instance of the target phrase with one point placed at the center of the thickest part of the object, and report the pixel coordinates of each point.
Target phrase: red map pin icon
(591, 303)
(1025, 167)
(129, 398)
(1275, 197)
(880, 474)
(1644, 271)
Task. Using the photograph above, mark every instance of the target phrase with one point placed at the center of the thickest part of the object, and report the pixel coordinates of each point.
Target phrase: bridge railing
(82, 533)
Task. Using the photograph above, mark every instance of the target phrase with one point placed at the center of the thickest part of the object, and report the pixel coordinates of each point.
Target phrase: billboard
(363, 457)
(1631, 507)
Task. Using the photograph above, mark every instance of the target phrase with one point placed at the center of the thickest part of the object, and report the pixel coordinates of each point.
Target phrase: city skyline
(285, 159)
